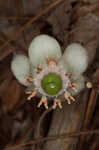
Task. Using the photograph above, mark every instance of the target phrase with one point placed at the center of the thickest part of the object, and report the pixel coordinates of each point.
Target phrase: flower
(49, 74)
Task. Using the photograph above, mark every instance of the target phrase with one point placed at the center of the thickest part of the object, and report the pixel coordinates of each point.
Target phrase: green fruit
(51, 84)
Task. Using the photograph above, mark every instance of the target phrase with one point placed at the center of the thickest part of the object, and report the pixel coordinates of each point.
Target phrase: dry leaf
(12, 96)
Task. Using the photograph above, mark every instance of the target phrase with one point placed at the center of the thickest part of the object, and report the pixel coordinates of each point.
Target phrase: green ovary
(51, 84)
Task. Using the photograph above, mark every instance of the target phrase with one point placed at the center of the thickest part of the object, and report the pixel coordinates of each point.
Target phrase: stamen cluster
(51, 82)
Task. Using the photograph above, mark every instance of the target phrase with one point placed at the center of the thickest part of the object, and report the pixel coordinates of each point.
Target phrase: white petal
(76, 58)
(21, 68)
(41, 47)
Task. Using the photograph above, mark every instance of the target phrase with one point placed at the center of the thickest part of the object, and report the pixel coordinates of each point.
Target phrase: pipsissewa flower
(49, 74)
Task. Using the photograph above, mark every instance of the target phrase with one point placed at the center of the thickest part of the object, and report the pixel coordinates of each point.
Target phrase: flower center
(51, 83)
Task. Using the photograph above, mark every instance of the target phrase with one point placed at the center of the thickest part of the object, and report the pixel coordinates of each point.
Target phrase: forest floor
(20, 121)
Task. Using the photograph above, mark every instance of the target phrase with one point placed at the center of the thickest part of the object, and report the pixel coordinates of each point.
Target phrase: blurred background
(21, 122)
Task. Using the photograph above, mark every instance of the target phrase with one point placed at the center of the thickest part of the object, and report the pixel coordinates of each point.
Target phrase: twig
(88, 115)
(21, 29)
(41, 120)
(15, 18)
(18, 15)
(13, 47)
(54, 137)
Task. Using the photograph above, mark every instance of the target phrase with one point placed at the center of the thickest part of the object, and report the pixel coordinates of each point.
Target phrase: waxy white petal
(41, 47)
(76, 58)
(21, 68)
